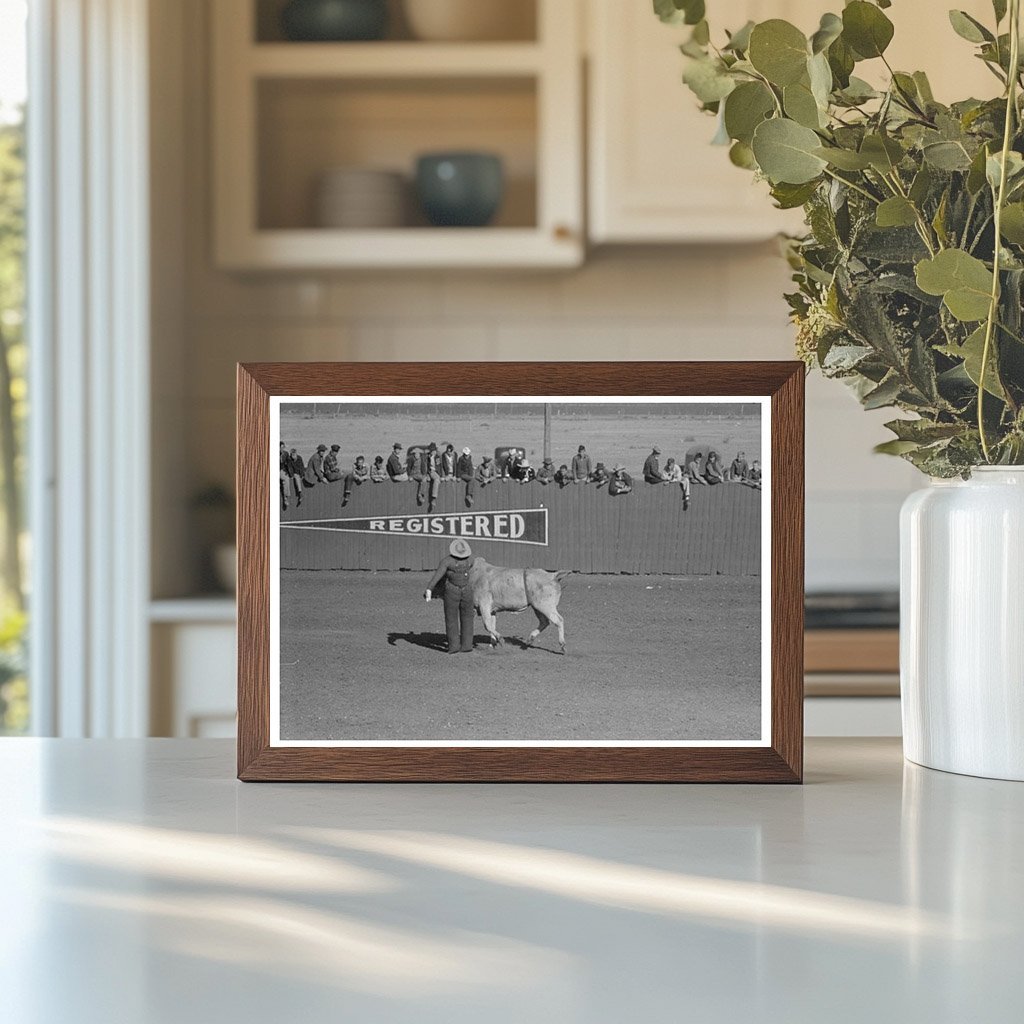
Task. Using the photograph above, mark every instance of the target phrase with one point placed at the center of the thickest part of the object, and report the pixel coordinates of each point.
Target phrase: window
(14, 703)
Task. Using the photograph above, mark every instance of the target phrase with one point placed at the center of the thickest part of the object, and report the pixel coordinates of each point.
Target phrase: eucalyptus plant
(910, 278)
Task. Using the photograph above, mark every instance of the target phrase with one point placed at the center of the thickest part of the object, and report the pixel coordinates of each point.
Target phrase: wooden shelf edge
(392, 60)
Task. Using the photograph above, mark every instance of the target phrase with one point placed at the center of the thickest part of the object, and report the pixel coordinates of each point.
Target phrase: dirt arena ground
(609, 438)
(649, 657)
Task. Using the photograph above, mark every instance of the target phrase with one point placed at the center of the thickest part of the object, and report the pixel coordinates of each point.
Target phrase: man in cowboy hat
(396, 467)
(315, 467)
(652, 471)
(458, 596)
(621, 482)
(332, 468)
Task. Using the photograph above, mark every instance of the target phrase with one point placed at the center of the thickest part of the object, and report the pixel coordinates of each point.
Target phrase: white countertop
(143, 885)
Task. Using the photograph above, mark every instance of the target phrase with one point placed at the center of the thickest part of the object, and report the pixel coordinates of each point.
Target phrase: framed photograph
(520, 572)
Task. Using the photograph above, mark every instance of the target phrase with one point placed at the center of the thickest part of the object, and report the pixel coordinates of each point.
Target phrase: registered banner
(517, 526)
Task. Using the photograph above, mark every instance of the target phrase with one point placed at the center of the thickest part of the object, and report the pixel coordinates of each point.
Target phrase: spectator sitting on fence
(621, 482)
(289, 478)
(600, 475)
(395, 466)
(546, 473)
(713, 471)
(652, 471)
(581, 467)
(315, 467)
(752, 479)
(297, 470)
(448, 462)
(522, 470)
(429, 478)
(563, 477)
(739, 468)
(485, 472)
(359, 475)
(674, 475)
(466, 473)
(332, 470)
(378, 474)
(692, 471)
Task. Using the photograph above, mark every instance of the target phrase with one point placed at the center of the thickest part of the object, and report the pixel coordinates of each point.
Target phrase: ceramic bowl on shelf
(361, 198)
(471, 20)
(460, 189)
(332, 21)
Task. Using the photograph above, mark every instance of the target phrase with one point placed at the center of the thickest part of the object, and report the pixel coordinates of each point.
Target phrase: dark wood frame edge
(258, 761)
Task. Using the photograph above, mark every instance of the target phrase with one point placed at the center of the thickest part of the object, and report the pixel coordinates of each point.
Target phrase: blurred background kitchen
(247, 180)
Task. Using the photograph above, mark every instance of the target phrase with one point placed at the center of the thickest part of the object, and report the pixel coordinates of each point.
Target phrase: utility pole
(547, 430)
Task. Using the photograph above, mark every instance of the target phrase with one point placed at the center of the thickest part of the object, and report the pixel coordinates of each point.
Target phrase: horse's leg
(491, 625)
(557, 619)
(542, 623)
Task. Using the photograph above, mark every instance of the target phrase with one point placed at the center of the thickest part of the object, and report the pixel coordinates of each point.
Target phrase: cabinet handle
(563, 232)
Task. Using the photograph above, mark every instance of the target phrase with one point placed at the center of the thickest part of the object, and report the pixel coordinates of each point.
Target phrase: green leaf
(924, 87)
(921, 185)
(844, 159)
(994, 168)
(999, 7)
(741, 155)
(745, 108)
(866, 29)
(739, 41)
(1012, 225)
(896, 212)
(969, 28)
(701, 33)
(963, 281)
(778, 50)
(971, 352)
(841, 60)
(947, 156)
(820, 76)
(708, 80)
(885, 394)
(785, 152)
(789, 197)
(895, 447)
(800, 105)
(923, 431)
(976, 173)
(676, 12)
(829, 30)
(882, 153)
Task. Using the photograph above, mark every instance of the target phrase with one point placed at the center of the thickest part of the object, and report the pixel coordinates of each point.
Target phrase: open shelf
(286, 114)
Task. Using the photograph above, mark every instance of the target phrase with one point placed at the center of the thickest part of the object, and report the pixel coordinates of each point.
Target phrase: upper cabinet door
(654, 175)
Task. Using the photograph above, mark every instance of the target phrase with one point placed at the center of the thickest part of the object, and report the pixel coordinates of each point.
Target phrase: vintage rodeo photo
(547, 571)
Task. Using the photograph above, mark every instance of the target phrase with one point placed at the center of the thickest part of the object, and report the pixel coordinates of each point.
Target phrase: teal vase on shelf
(330, 21)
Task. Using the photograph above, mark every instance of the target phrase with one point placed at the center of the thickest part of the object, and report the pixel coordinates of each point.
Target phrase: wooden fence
(588, 530)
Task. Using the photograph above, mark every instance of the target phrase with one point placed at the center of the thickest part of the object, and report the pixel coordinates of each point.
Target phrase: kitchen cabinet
(653, 175)
(287, 113)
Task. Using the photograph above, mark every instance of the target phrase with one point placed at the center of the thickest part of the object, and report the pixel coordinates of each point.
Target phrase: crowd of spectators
(429, 467)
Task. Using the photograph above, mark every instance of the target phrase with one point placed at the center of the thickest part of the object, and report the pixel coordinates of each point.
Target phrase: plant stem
(993, 309)
(855, 187)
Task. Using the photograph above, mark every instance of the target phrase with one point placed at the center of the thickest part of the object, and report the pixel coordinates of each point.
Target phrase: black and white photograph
(549, 571)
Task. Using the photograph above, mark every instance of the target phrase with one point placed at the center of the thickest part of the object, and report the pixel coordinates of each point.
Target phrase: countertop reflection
(143, 884)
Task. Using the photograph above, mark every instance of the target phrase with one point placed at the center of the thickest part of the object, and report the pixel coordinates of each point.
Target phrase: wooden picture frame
(780, 759)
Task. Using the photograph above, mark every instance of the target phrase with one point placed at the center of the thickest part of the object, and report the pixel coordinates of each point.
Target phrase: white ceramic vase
(962, 624)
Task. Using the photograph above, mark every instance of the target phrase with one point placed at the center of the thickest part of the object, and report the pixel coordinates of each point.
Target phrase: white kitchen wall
(716, 302)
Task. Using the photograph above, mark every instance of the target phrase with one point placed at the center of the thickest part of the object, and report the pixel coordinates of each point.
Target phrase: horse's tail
(563, 574)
